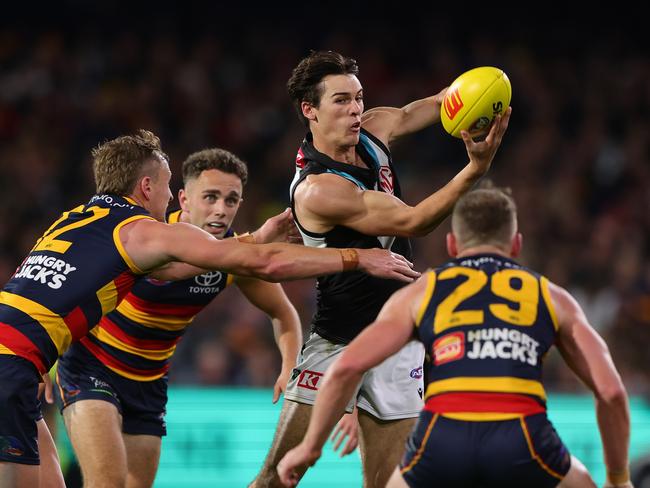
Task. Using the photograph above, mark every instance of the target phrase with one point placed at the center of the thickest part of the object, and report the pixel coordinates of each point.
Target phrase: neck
(184, 218)
(344, 154)
(137, 199)
(484, 249)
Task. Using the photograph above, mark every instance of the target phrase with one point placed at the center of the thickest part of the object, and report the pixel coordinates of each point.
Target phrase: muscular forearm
(336, 391)
(430, 213)
(291, 262)
(614, 423)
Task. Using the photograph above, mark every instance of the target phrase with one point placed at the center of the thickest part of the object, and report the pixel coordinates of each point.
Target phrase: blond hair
(118, 164)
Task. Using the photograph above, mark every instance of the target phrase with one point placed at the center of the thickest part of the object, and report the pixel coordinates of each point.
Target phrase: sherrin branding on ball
(474, 99)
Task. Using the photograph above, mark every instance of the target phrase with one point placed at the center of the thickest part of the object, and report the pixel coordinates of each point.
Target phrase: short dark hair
(305, 82)
(485, 216)
(214, 158)
(118, 164)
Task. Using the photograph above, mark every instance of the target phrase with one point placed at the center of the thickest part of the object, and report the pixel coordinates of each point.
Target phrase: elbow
(415, 225)
(613, 394)
(346, 370)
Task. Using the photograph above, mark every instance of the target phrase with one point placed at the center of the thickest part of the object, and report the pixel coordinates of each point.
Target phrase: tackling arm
(151, 244)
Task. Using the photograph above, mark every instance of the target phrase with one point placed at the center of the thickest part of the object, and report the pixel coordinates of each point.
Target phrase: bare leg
(577, 477)
(396, 480)
(95, 430)
(143, 455)
(380, 457)
(13, 475)
(51, 475)
(291, 428)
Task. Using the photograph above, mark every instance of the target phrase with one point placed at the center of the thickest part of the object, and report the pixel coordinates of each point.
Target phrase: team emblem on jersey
(386, 179)
(211, 278)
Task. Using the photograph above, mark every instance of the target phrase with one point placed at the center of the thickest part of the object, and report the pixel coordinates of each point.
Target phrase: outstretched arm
(327, 200)
(387, 335)
(271, 299)
(588, 356)
(151, 244)
(390, 123)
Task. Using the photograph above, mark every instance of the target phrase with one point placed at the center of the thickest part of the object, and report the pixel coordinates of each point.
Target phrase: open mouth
(216, 227)
(356, 127)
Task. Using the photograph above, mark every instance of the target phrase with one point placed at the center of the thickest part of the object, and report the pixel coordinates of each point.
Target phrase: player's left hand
(279, 228)
(45, 389)
(294, 464)
(348, 427)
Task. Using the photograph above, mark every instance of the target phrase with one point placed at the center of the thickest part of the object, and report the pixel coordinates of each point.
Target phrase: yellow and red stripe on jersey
(492, 384)
(157, 315)
(483, 406)
(120, 367)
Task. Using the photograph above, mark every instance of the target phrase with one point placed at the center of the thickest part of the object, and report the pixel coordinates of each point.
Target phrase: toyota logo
(211, 278)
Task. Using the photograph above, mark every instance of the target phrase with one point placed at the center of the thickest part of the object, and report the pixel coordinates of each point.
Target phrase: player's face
(160, 195)
(339, 113)
(212, 200)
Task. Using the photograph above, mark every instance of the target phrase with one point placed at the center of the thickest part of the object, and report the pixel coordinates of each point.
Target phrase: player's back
(77, 271)
(486, 323)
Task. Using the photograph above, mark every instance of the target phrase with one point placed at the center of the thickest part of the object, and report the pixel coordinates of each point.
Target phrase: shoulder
(565, 307)
(325, 186)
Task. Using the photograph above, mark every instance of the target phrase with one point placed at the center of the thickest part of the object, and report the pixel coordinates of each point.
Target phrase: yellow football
(474, 99)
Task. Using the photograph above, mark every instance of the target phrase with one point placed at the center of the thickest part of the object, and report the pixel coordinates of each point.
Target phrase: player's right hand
(482, 153)
(294, 463)
(387, 264)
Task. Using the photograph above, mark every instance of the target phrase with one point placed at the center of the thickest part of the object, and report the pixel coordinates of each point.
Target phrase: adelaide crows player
(486, 323)
(87, 261)
(113, 383)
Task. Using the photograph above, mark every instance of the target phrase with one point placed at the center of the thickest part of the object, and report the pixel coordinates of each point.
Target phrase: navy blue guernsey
(138, 339)
(349, 302)
(486, 323)
(77, 272)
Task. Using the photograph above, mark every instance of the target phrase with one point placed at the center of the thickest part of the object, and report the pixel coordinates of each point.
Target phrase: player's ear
(452, 245)
(144, 185)
(516, 244)
(182, 199)
(308, 111)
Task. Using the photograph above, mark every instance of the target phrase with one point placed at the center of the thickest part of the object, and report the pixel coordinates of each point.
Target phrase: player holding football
(346, 192)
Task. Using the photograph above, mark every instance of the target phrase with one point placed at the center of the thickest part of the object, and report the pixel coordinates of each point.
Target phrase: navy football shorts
(81, 376)
(509, 453)
(20, 409)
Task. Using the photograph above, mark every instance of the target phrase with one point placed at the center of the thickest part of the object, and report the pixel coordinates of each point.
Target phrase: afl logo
(211, 278)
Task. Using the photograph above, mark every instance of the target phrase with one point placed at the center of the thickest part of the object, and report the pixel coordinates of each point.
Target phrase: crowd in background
(576, 155)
